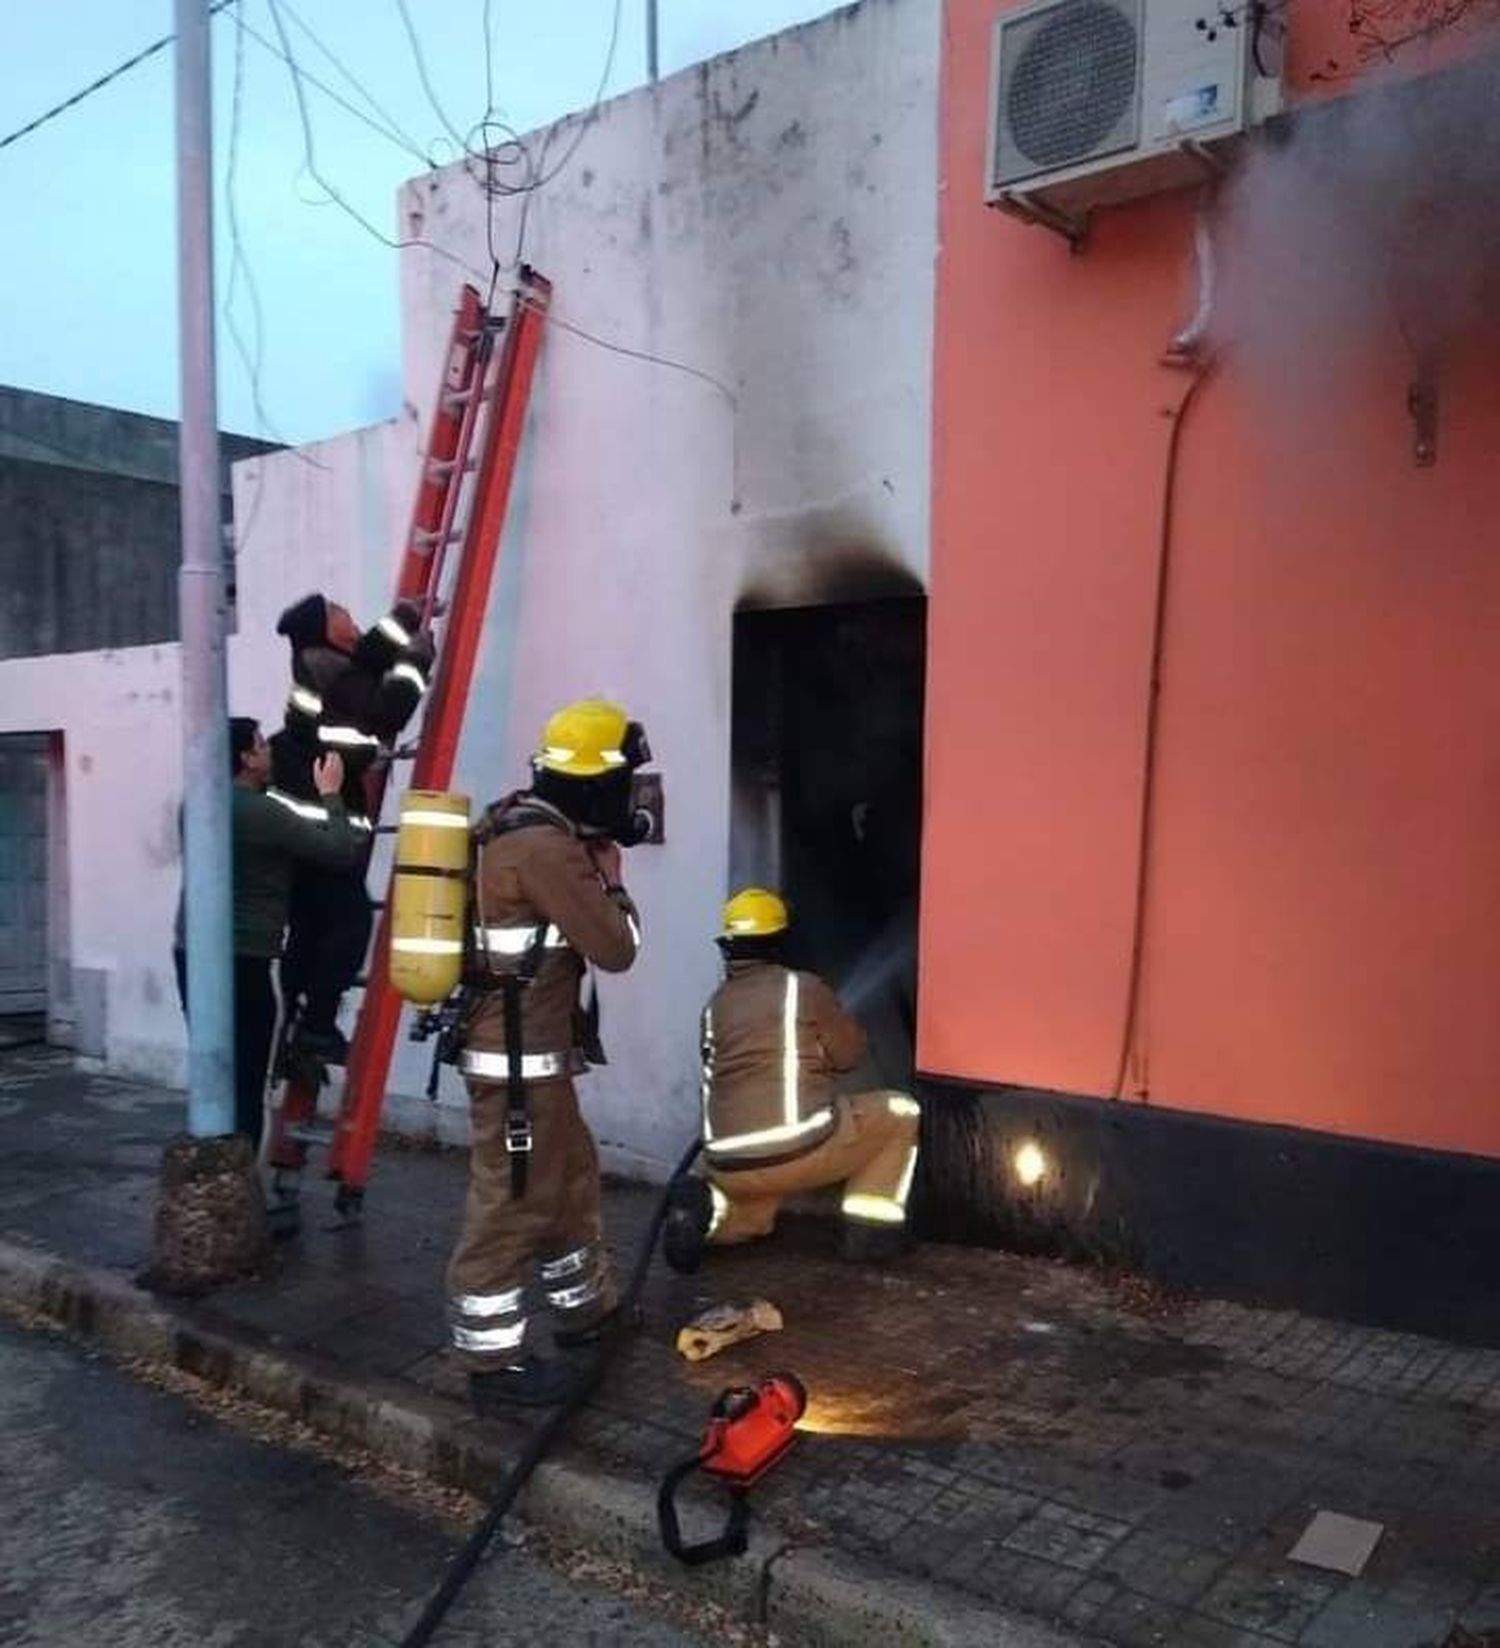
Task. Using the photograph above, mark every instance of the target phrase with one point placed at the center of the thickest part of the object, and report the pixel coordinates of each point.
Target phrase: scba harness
(528, 947)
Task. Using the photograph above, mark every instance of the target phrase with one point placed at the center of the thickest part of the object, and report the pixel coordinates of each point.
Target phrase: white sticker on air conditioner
(1195, 108)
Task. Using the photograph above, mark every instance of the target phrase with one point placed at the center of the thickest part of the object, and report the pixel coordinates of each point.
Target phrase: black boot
(533, 1382)
(604, 1330)
(690, 1212)
(870, 1244)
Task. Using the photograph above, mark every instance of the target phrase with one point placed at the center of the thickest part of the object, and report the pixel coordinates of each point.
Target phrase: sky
(88, 275)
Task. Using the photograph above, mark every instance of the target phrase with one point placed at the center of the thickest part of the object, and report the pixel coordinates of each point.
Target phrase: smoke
(1374, 217)
(888, 958)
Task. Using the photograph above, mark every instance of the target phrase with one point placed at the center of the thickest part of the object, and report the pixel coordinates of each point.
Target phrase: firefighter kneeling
(549, 906)
(773, 1042)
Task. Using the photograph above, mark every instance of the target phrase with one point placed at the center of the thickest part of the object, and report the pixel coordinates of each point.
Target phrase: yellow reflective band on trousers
(488, 1322)
(878, 1209)
(488, 1339)
(571, 1264)
(488, 1304)
(573, 1298)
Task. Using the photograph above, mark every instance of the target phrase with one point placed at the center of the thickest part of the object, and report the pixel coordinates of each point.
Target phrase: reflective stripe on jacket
(542, 878)
(772, 1043)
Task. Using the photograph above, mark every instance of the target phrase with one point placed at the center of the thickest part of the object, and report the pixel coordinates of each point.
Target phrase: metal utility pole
(207, 867)
(651, 62)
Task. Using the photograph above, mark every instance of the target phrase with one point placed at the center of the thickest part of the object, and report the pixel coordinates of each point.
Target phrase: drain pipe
(1189, 345)
(1189, 348)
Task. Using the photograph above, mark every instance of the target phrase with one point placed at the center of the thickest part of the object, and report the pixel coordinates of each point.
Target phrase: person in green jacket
(270, 833)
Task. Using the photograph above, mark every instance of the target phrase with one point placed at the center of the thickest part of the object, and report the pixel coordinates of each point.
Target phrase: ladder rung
(448, 466)
(426, 538)
(462, 397)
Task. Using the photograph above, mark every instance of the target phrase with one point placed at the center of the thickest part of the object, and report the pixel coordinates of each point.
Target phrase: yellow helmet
(754, 913)
(585, 739)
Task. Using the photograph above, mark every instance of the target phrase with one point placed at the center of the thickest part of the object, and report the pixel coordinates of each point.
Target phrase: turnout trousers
(549, 1239)
(872, 1152)
(329, 925)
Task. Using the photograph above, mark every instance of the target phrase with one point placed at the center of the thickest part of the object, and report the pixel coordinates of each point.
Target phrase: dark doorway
(827, 768)
(24, 950)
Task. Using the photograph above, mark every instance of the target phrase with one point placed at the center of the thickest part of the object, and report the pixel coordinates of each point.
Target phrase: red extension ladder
(462, 496)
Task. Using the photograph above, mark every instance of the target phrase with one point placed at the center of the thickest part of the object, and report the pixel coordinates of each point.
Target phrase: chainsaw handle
(735, 1538)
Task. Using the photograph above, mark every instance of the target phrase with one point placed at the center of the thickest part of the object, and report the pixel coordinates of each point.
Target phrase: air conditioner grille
(1072, 83)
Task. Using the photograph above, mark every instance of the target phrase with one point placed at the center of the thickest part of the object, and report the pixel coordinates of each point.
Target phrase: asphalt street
(129, 1516)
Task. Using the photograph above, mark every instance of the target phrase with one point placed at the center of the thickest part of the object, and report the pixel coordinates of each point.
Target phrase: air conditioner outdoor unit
(1095, 102)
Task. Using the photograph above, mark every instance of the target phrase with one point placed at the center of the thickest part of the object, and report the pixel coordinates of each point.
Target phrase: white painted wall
(117, 712)
(767, 219)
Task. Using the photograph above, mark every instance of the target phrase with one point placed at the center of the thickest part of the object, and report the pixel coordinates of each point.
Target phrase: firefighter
(271, 835)
(773, 1042)
(549, 907)
(351, 695)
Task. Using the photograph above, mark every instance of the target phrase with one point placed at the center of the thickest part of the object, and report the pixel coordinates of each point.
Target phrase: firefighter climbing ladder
(462, 494)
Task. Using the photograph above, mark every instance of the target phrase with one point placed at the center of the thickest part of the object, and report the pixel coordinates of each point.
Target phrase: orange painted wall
(1324, 926)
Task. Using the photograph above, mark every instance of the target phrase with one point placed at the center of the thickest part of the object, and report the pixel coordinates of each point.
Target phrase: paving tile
(1358, 1618)
(1276, 1600)
(1074, 1539)
(1163, 1567)
(1016, 1580)
(1194, 1631)
(1133, 1621)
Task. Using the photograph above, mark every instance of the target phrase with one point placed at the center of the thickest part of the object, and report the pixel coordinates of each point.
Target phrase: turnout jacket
(773, 1041)
(354, 703)
(541, 908)
(270, 836)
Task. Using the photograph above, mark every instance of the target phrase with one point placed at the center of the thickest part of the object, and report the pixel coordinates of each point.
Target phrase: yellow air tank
(430, 895)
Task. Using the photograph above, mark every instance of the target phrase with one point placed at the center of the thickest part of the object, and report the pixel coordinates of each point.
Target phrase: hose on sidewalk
(540, 1442)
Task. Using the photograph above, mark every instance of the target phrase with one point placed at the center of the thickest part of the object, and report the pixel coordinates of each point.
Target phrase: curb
(818, 1597)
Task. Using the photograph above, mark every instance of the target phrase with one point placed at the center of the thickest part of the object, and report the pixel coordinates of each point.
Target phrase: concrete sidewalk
(1021, 1435)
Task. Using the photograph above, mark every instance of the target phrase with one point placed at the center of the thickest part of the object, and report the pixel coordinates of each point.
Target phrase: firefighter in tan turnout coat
(549, 909)
(774, 1042)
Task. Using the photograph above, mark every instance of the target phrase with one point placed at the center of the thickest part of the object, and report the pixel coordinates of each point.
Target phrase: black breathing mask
(610, 803)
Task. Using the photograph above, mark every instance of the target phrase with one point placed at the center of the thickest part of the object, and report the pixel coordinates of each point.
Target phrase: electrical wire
(554, 319)
(1149, 759)
(310, 160)
(420, 59)
(305, 75)
(98, 85)
(593, 111)
(251, 359)
(394, 126)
